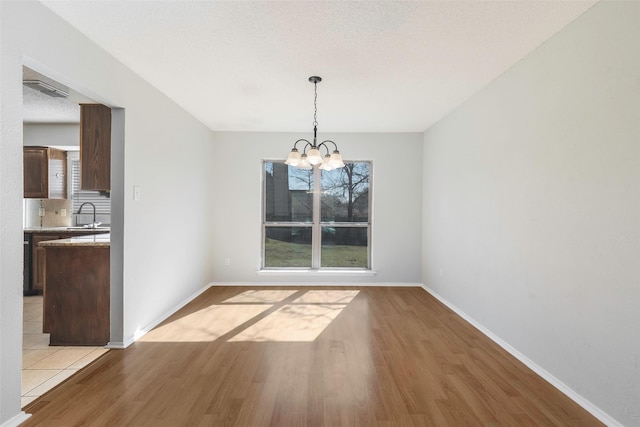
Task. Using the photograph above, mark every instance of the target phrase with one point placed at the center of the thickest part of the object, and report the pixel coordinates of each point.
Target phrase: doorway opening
(51, 125)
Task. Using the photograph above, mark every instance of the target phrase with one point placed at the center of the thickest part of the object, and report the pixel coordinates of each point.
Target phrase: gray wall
(532, 208)
(396, 215)
(52, 134)
(162, 259)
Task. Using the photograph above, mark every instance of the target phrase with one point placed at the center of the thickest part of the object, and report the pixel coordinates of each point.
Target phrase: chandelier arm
(322, 144)
(328, 140)
(296, 143)
(308, 144)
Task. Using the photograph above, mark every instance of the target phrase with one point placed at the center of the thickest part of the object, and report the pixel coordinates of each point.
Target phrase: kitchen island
(76, 290)
(34, 275)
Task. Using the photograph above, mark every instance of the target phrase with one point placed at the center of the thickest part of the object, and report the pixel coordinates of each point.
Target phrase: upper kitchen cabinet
(45, 172)
(95, 147)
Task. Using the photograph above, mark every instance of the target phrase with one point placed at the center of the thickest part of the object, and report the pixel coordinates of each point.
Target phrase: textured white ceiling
(386, 66)
(41, 108)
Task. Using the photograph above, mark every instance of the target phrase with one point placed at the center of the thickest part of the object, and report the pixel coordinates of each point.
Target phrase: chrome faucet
(93, 224)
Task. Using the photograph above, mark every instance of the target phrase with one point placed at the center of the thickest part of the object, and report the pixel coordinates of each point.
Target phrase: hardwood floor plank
(315, 356)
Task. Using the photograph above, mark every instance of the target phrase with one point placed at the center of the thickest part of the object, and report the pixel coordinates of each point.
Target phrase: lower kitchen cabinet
(77, 295)
(38, 264)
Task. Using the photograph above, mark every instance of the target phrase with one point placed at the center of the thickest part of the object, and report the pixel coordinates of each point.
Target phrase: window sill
(317, 273)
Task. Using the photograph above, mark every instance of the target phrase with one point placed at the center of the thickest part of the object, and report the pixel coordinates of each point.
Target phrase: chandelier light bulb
(336, 160)
(326, 163)
(314, 156)
(294, 158)
(304, 163)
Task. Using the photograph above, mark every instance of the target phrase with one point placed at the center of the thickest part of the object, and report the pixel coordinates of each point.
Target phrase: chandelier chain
(315, 104)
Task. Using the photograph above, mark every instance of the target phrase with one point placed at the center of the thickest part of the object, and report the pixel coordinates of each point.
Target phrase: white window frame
(316, 226)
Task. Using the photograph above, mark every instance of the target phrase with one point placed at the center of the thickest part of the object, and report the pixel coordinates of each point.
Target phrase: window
(316, 219)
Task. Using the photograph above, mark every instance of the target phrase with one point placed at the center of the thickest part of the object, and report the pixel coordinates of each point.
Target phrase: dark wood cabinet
(95, 147)
(38, 260)
(45, 173)
(76, 299)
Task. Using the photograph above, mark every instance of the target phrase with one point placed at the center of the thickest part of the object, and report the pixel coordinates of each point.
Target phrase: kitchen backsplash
(53, 213)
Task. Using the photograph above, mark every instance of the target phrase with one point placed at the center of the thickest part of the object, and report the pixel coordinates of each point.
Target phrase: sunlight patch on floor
(299, 323)
(258, 316)
(207, 324)
(302, 320)
(327, 297)
(265, 297)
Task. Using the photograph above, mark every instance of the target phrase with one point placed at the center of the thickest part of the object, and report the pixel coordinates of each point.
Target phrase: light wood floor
(309, 357)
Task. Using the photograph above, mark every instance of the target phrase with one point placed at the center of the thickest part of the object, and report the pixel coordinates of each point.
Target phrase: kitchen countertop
(93, 240)
(65, 229)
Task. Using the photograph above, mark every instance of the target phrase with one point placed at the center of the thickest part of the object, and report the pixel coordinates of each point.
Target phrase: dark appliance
(26, 286)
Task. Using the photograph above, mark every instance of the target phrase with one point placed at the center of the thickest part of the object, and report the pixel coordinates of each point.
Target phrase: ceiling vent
(46, 88)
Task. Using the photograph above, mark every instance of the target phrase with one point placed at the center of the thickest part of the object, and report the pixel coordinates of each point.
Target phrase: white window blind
(78, 197)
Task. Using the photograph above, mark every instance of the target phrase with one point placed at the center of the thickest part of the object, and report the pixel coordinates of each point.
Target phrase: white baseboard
(141, 332)
(17, 420)
(568, 391)
(309, 284)
(116, 345)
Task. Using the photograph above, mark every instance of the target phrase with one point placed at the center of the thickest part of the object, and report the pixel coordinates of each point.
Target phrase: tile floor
(44, 367)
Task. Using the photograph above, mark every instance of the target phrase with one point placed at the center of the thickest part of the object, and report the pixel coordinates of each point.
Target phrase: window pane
(345, 193)
(344, 247)
(289, 193)
(287, 247)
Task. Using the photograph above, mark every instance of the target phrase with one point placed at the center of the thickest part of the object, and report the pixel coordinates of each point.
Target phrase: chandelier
(313, 157)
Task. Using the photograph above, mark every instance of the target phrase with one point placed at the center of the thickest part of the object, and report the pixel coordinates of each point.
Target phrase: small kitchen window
(101, 200)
